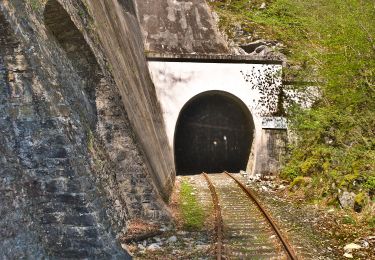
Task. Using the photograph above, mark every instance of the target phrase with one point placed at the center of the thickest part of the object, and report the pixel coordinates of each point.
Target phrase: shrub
(336, 137)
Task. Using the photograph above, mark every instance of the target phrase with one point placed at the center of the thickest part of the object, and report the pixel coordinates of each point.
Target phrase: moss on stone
(299, 182)
(360, 201)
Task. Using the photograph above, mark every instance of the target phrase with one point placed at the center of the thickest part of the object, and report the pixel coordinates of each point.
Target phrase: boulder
(153, 247)
(346, 199)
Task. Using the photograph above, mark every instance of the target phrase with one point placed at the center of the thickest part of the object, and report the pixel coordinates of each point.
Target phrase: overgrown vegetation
(333, 43)
(192, 212)
(36, 4)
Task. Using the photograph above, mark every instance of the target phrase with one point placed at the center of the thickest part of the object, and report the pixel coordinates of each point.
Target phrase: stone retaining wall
(72, 169)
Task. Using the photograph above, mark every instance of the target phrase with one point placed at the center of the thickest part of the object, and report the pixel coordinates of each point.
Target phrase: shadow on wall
(59, 23)
(127, 5)
(118, 163)
(214, 133)
(121, 41)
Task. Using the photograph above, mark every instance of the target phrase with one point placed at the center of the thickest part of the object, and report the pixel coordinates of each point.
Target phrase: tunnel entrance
(214, 133)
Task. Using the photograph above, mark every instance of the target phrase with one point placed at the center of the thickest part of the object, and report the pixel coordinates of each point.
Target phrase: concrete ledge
(279, 123)
(210, 58)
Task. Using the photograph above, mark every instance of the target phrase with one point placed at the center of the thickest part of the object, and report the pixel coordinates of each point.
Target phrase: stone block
(91, 233)
(49, 219)
(69, 198)
(84, 220)
(72, 253)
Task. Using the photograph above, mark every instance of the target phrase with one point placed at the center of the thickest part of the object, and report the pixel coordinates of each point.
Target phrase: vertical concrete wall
(181, 27)
(121, 37)
(178, 82)
(272, 151)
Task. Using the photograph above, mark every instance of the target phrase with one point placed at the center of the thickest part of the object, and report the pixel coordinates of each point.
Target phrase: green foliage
(360, 199)
(332, 42)
(290, 172)
(36, 4)
(298, 182)
(370, 183)
(192, 212)
(371, 222)
(349, 220)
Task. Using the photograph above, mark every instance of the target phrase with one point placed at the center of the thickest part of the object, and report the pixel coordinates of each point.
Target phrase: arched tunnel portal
(214, 133)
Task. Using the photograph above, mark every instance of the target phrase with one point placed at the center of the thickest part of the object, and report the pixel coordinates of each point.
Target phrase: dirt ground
(315, 232)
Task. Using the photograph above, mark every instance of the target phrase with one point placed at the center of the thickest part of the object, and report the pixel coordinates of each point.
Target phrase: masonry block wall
(73, 166)
(272, 152)
(83, 145)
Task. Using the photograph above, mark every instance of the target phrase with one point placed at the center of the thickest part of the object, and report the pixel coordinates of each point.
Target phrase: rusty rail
(218, 218)
(251, 195)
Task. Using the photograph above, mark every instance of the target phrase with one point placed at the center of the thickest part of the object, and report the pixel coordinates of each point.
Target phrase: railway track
(244, 230)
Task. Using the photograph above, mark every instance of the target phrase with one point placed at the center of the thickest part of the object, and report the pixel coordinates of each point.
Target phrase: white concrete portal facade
(178, 82)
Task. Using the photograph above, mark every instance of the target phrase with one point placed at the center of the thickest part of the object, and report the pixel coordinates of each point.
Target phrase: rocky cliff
(179, 27)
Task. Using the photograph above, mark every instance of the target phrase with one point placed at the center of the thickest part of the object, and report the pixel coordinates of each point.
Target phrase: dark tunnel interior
(214, 133)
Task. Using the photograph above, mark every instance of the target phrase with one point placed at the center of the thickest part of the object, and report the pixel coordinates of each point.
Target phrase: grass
(349, 220)
(191, 210)
(331, 42)
(36, 5)
(371, 222)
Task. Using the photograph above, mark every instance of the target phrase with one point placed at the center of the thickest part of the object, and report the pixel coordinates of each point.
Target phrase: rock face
(181, 26)
(15, 235)
(346, 200)
(81, 134)
(267, 50)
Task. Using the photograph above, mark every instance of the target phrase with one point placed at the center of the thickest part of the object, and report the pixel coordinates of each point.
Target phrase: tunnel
(214, 133)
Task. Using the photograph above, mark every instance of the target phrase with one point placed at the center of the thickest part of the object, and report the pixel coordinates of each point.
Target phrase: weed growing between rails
(191, 234)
